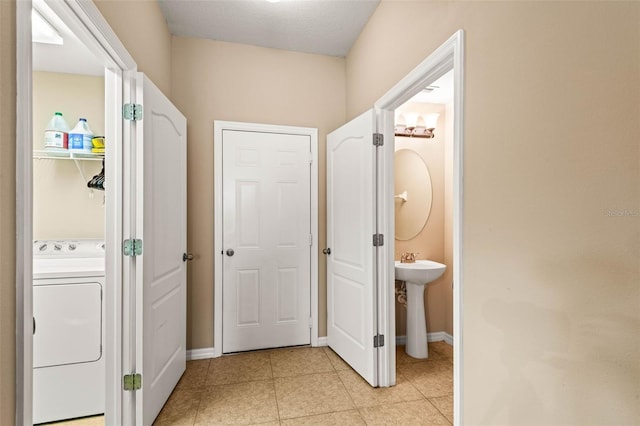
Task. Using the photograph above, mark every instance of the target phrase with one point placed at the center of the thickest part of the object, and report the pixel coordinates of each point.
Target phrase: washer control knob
(42, 247)
(57, 247)
(72, 246)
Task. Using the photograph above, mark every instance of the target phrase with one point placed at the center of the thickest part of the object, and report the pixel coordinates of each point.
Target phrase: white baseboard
(438, 336)
(448, 338)
(204, 353)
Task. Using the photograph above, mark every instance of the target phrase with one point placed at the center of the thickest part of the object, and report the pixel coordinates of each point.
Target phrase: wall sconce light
(416, 126)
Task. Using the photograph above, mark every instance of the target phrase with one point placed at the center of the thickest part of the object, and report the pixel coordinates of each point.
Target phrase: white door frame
(219, 126)
(449, 56)
(85, 20)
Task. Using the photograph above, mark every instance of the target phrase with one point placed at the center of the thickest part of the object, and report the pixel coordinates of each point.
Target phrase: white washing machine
(68, 338)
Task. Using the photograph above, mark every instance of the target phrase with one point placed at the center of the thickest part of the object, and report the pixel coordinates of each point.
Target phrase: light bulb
(431, 121)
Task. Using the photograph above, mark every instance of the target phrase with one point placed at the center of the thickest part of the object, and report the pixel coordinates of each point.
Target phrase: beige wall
(552, 107)
(225, 81)
(430, 242)
(62, 205)
(141, 27)
(7, 211)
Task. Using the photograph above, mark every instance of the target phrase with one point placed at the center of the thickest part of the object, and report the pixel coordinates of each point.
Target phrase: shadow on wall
(542, 346)
(523, 347)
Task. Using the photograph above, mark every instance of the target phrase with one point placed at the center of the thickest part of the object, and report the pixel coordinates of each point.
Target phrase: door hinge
(378, 240)
(310, 157)
(132, 382)
(310, 240)
(132, 247)
(310, 322)
(132, 112)
(378, 341)
(378, 139)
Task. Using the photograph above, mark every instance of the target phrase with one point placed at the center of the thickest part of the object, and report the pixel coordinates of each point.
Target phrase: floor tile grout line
(304, 373)
(201, 393)
(436, 407)
(409, 382)
(324, 352)
(403, 402)
(362, 415)
(275, 390)
(322, 414)
(382, 405)
(347, 390)
(275, 397)
(432, 396)
(354, 407)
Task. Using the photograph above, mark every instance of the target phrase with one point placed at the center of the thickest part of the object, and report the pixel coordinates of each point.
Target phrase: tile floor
(308, 386)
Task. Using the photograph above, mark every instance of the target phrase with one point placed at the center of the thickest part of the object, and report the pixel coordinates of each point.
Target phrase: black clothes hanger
(97, 182)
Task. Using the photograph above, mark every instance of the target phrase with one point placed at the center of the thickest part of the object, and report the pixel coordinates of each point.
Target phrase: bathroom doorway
(443, 67)
(423, 205)
(363, 332)
(423, 199)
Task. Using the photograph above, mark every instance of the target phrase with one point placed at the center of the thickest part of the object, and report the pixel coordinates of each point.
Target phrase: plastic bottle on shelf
(56, 134)
(80, 137)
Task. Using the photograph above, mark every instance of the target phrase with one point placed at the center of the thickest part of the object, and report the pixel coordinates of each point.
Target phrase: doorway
(423, 175)
(380, 325)
(449, 57)
(68, 224)
(265, 236)
(84, 28)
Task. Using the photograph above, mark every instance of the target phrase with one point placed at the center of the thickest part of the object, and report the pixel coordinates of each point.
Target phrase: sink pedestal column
(416, 345)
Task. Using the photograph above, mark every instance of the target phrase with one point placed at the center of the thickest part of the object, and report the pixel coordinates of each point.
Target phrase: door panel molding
(161, 223)
(351, 221)
(312, 133)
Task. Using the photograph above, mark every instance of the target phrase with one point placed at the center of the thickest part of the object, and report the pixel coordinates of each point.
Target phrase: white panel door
(266, 238)
(161, 161)
(351, 212)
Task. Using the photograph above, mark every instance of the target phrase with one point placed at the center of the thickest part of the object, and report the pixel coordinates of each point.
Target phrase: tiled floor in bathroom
(308, 386)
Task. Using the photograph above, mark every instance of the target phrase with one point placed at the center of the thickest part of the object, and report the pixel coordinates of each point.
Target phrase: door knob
(187, 256)
(230, 252)
(327, 251)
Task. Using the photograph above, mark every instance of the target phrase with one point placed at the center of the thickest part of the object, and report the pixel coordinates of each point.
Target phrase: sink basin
(420, 272)
(416, 276)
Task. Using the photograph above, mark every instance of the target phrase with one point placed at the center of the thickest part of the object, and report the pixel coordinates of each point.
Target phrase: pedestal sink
(416, 276)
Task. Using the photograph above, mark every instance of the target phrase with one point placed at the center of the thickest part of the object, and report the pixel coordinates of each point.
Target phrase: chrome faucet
(408, 257)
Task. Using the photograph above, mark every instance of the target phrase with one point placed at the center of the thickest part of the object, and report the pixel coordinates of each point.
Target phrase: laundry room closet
(64, 205)
(68, 224)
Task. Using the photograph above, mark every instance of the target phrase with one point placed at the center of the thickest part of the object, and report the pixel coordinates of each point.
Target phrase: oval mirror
(413, 194)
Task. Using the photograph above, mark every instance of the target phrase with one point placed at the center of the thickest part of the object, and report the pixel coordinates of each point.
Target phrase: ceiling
(325, 27)
(438, 92)
(72, 57)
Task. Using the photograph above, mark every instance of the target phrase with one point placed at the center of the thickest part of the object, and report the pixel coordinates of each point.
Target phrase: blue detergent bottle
(80, 137)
